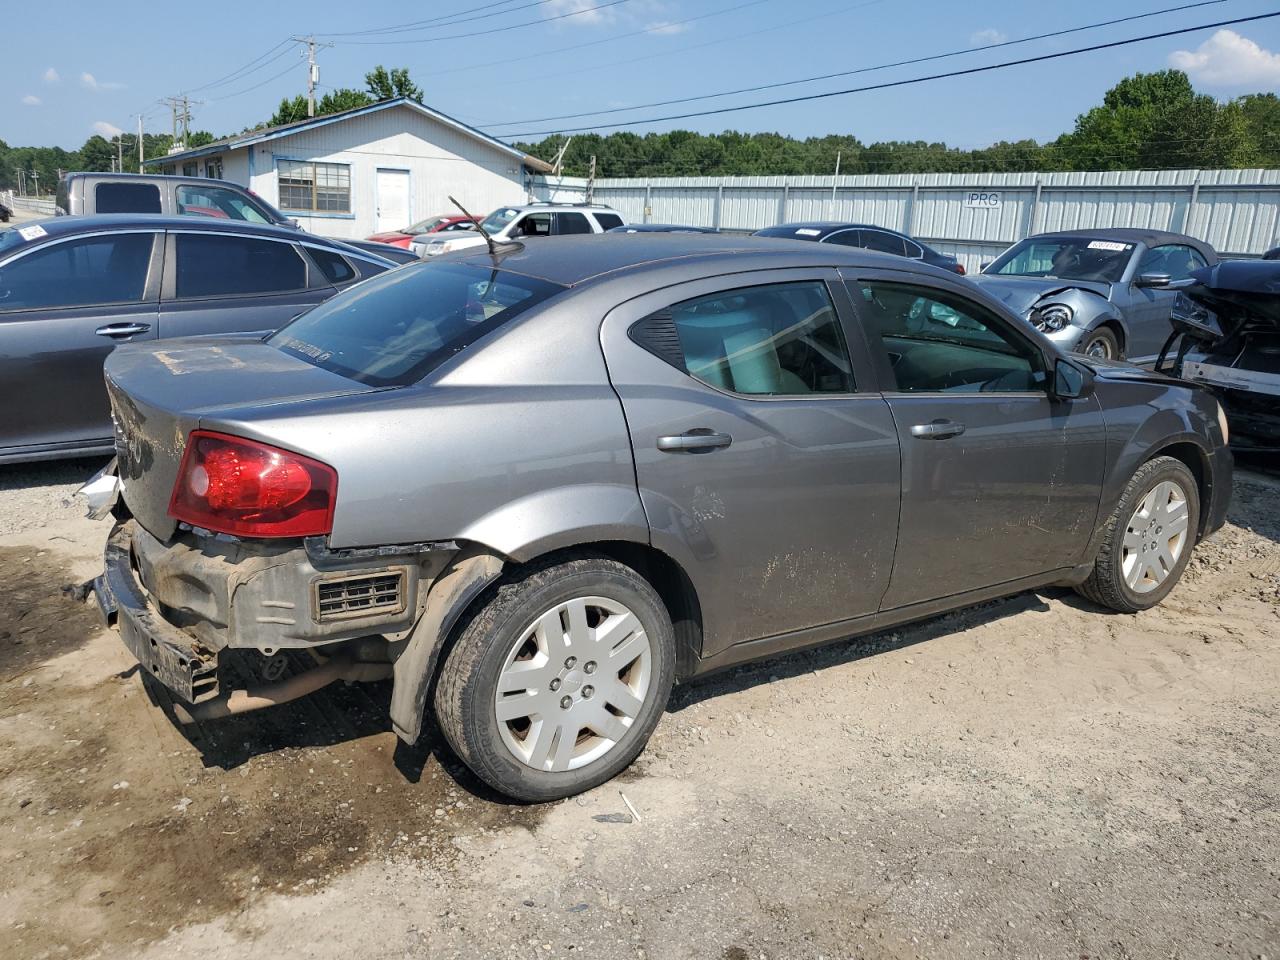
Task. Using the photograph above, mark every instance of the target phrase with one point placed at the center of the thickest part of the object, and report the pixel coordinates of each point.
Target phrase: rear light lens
(242, 487)
(959, 268)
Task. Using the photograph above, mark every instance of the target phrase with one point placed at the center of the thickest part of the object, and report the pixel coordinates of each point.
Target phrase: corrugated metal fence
(973, 216)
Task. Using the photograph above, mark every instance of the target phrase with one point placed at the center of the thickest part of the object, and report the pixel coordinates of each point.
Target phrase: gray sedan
(537, 488)
(1104, 293)
(73, 288)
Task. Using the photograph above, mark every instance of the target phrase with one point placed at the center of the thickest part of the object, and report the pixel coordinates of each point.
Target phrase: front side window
(782, 339)
(396, 328)
(533, 225)
(126, 198)
(1067, 258)
(845, 238)
(218, 265)
(1177, 260)
(567, 223)
(92, 271)
(498, 220)
(314, 187)
(217, 202)
(939, 342)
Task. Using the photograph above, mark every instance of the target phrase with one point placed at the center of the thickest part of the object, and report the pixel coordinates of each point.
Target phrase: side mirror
(1069, 381)
(1154, 280)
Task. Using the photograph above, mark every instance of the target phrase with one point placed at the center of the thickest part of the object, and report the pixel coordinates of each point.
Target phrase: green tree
(98, 153)
(1260, 113)
(384, 85)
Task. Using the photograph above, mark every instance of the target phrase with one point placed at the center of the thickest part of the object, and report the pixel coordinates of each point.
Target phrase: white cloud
(577, 11)
(31, 100)
(1229, 60)
(984, 38)
(104, 129)
(90, 82)
(667, 29)
(51, 76)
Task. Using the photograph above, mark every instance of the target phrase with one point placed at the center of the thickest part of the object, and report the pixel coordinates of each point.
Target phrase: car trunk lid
(161, 392)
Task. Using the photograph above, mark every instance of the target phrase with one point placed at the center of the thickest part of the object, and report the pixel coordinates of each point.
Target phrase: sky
(502, 65)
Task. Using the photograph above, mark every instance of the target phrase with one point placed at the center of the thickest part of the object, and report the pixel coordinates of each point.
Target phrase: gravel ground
(38, 494)
(1029, 778)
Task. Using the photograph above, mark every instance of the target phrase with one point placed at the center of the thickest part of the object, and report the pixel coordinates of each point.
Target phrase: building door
(393, 200)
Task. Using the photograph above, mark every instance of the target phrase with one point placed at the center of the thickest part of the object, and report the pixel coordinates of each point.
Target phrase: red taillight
(242, 487)
(960, 269)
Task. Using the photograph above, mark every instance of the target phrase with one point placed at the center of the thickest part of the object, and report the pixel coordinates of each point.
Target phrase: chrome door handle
(937, 430)
(693, 440)
(117, 330)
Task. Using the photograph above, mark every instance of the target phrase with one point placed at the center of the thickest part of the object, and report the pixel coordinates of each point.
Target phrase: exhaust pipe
(309, 681)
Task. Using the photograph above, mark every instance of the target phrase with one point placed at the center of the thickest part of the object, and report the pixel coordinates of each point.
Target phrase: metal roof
(264, 134)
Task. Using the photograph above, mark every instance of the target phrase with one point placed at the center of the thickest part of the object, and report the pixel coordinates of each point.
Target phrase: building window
(213, 168)
(320, 187)
(191, 169)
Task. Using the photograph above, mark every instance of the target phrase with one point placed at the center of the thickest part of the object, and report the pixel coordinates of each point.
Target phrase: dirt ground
(1029, 778)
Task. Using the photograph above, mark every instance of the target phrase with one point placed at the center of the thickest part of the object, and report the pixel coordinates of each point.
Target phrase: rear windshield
(1069, 258)
(396, 328)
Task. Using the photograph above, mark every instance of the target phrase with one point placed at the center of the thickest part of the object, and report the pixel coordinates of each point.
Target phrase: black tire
(1095, 342)
(1106, 585)
(468, 680)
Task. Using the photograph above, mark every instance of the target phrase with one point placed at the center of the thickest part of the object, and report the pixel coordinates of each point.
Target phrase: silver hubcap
(573, 684)
(1155, 538)
(1099, 347)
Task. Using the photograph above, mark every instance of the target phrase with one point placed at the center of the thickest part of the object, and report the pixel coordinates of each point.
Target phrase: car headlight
(1052, 318)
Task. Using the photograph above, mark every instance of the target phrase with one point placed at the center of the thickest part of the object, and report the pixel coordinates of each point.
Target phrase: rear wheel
(556, 682)
(1102, 344)
(1148, 539)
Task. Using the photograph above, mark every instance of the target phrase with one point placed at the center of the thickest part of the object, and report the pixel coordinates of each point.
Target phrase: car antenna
(494, 247)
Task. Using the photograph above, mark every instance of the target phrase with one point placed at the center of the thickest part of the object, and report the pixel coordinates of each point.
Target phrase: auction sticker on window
(1109, 245)
(33, 232)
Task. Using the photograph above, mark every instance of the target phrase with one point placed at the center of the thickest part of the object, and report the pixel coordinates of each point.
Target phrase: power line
(257, 86)
(621, 36)
(491, 30)
(882, 66)
(903, 83)
(251, 67)
(448, 20)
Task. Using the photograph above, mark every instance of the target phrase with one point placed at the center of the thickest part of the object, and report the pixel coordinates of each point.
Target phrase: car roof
(1150, 238)
(577, 259)
(100, 222)
(213, 181)
(556, 207)
(824, 227)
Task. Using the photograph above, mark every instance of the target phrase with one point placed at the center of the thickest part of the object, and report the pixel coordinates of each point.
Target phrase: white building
(374, 168)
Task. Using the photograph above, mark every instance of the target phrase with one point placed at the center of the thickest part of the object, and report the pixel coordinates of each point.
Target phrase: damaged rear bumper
(169, 654)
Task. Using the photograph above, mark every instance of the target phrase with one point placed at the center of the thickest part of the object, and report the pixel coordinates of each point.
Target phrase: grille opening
(340, 598)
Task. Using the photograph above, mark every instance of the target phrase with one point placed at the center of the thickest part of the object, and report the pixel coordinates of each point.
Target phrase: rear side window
(92, 271)
(213, 265)
(608, 221)
(126, 198)
(776, 340)
(204, 201)
(882, 242)
(396, 328)
(572, 223)
(335, 268)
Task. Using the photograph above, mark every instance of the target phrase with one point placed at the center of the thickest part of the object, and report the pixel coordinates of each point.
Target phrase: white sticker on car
(1109, 245)
(808, 232)
(33, 232)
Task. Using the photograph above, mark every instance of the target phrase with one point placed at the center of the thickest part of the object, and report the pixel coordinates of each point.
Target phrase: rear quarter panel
(518, 444)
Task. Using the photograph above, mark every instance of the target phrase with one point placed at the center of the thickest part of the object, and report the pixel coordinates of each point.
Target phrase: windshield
(1065, 258)
(425, 226)
(396, 328)
(499, 219)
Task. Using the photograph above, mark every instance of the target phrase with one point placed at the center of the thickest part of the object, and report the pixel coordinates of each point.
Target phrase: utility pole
(141, 158)
(833, 184)
(181, 107)
(120, 152)
(313, 70)
(557, 165)
(22, 184)
(591, 180)
(35, 177)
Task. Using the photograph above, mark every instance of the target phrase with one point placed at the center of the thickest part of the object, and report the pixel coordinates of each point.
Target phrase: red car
(401, 238)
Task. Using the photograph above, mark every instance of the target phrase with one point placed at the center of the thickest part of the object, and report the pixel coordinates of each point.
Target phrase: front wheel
(1101, 344)
(557, 680)
(1148, 539)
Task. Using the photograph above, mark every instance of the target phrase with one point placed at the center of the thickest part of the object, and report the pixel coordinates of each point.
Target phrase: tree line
(1150, 121)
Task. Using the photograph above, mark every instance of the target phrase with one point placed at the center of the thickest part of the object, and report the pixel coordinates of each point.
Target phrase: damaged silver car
(537, 486)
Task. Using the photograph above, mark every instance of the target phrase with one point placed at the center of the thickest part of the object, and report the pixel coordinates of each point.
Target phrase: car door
(766, 460)
(233, 283)
(1147, 309)
(1000, 481)
(63, 307)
